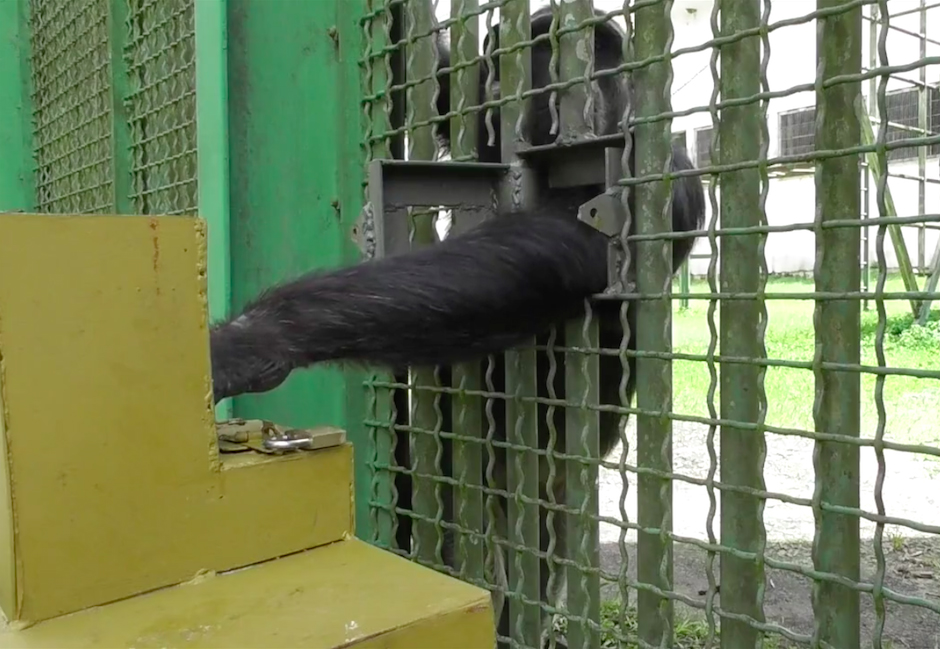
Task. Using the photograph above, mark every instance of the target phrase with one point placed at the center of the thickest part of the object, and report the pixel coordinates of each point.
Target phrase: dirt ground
(911, 491)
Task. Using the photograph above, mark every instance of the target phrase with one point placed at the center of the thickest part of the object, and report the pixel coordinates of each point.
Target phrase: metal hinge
(241, 435)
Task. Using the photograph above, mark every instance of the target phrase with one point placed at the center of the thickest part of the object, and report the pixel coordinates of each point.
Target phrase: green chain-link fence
(777, 481)
(113, 99)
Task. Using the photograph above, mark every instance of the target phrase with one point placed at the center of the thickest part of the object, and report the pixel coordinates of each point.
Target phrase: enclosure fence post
(743, 138)
(380, 412)
(469, 429)
(653, 35)
(581, 390)
(836, 408)
(425, 415)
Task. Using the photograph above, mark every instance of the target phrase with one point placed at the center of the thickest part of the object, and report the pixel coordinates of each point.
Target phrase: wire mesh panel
(113, 97)
(71, 99)
(162, 105)
(776, 482)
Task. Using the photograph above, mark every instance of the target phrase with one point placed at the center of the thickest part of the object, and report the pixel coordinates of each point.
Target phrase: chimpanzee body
(479, 293)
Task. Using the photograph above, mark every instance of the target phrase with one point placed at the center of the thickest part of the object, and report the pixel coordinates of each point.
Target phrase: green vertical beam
(582, 439)
(120, 90)
(742, 451)
(525, 620)
(17, 178)
(380, 402)
(652, 144)
(286, 218)
(837, 403)
(576, 61)
(420, 69)
(350, 170)
(213, 160)
(582, 425)
(468, 410)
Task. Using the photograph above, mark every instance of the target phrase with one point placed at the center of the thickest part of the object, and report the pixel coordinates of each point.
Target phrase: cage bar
(120, 90)
(525, 621)
(380, 403)
(742, 393)
(576, 61)
(652, 145)
(582, 425)
(426, 418)
(468, 420)
(836, 323)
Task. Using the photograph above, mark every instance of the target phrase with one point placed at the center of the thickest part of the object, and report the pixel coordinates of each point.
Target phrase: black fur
(476, 294)
(469, 296)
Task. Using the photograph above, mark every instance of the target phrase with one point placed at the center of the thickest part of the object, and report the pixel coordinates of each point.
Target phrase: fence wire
(71, 98)
(162, 105)
(113, 96)
(780, 446)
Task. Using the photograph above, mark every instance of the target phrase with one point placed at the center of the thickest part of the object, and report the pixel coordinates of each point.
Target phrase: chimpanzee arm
(479, 293)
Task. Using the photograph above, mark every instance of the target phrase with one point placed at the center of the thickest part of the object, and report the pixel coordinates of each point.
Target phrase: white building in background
(792, 63)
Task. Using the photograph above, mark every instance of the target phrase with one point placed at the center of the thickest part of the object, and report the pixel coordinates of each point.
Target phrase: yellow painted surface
(111, 479)
(347, 594)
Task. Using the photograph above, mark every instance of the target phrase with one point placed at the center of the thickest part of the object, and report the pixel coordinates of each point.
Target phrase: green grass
(910, 403)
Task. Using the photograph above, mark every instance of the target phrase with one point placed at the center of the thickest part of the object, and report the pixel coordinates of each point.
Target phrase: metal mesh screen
(162, 105)
(88, 57)
(776, 481)
(71, 83)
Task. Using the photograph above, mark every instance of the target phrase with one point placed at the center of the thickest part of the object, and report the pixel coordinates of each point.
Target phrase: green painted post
(525, 619)
(286, 68)
(350, 178)
(581, 371)
(213, 144)
(468, 426)
(652, 144)
(121, 179)
(17, 178)
(837, 322)
(420, 70)
(742, 394)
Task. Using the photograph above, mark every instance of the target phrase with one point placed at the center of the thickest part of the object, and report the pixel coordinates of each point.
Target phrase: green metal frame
(214, 156)
(17, 181)
(291, 181)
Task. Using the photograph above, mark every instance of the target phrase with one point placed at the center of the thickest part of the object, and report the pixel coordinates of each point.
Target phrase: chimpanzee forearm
(483, 292)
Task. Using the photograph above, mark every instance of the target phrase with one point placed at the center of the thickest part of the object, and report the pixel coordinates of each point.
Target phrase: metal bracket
(606, 214)
(261, 436)
(578, 164)
(469, 189)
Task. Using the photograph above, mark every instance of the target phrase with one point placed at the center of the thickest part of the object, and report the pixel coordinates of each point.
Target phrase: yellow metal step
(347, 594)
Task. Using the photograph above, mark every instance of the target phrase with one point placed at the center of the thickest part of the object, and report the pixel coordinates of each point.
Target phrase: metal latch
(606, 213)
(241, 435)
